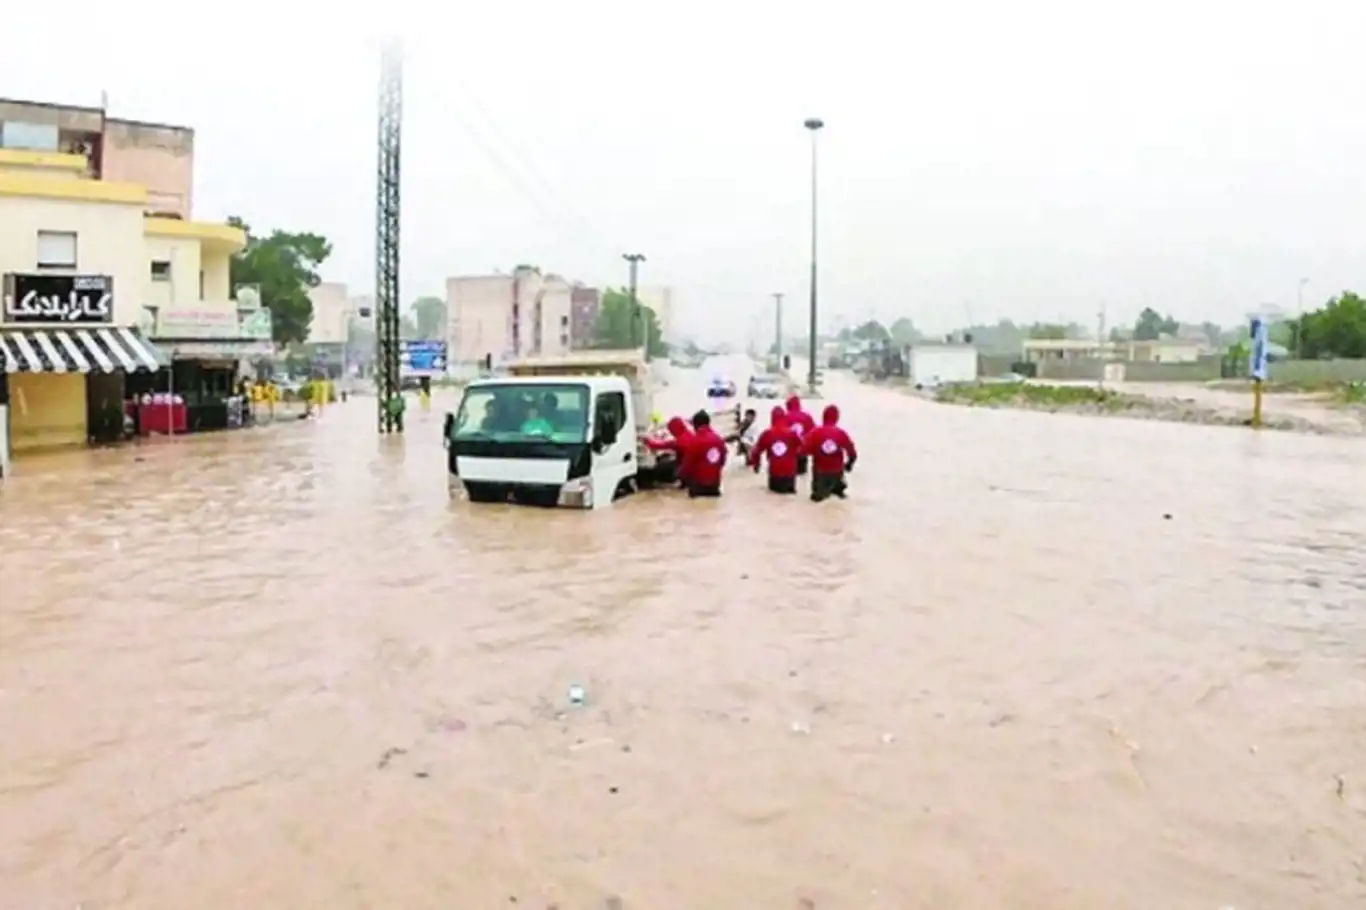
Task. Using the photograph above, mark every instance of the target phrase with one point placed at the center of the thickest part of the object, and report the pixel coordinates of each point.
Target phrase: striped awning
(76, 350)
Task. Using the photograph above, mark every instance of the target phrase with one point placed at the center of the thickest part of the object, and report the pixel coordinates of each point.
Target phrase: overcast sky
(1032, 160)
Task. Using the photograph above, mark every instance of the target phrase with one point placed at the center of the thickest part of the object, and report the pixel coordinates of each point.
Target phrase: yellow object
(1257, 403)
(76, 189)
(656, 418)
(12, 159)
(425, 400)
(50, 410)
(209, 233)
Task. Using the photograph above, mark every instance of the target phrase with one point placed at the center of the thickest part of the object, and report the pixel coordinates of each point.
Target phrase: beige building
(333, 310)
(525, 313)
(155, 156)
(1160, 350)
(92, 264)
(660, 299)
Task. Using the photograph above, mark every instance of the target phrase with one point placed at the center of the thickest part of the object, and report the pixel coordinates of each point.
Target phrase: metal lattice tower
(387, 236)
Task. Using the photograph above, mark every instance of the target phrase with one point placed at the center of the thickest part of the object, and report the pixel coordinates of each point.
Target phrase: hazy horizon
(982, 161)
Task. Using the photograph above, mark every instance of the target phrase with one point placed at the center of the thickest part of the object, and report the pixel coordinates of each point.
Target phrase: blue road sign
(1257, 352)
(422, 358)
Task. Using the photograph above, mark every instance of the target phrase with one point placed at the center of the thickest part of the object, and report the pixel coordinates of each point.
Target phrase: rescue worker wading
(832, 454)
(800, 423)
(682, 439)
(781, 445)
(703, 458)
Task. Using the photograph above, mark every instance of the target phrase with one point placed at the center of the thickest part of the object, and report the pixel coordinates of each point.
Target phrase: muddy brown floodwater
(1034, 661)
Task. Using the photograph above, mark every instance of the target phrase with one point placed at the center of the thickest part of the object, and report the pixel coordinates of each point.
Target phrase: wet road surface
(1035, 661)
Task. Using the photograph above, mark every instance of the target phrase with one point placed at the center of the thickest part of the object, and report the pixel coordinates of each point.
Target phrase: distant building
(585, 303)
(1159, 350)
(109, 289)
(332, 310)
(525, 313)
(660, 299)
(155, 156)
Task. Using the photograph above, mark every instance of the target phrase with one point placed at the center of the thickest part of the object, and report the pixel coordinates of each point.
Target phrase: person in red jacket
(704, 458)
(680, 437)
(832, 455)
(782, 446)
(801, 423)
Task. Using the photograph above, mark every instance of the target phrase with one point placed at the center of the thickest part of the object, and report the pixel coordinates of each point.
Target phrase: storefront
(63, 364)
(209, 353)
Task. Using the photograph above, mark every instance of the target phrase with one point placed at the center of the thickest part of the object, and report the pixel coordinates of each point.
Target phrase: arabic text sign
(422, 358)
(59, 299)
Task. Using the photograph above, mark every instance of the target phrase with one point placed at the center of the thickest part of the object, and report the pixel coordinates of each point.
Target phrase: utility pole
(1101, 349)
(813, 125)
(387, 383)
(637, 320)
(778, 329)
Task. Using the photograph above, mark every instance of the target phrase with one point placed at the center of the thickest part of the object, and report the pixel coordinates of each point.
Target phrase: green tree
(1336, 330)
(904, 332)
(284, 266)
(429, 318)
(1047, 331)
(873, 331)
(1152, 325)
(620, 326)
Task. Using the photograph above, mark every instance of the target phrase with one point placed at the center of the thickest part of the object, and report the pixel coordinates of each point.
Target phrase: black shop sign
(59, 299)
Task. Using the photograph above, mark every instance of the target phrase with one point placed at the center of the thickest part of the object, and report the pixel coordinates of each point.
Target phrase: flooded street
(1034, 661)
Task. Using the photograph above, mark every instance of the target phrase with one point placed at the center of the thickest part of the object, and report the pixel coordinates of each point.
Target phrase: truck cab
(566, 431)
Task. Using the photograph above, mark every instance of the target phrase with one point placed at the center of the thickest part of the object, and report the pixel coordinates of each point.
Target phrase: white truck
(561, 431)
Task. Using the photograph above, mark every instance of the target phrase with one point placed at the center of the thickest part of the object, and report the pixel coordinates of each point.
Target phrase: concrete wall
(160, 158)
(155, 155)
(331, 304)
(478, 310)
(518, 315)
(109, 241)
(1314, 371)
(585, 304)
(660, 299)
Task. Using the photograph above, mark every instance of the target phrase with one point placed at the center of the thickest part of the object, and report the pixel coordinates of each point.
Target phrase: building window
(161, 270)
(56, 249)
(564, 321)
(201, 286)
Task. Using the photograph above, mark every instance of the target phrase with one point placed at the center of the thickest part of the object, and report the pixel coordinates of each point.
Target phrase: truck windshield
(523, 412)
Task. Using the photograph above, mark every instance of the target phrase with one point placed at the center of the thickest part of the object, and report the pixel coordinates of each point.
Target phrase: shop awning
(76, 350)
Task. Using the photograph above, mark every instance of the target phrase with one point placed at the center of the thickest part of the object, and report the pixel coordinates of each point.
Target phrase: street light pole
(778, 330)
(637, 323)
(813, 125)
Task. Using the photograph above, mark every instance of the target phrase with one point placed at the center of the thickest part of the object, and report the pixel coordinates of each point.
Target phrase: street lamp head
(814, 123)
(633, 257)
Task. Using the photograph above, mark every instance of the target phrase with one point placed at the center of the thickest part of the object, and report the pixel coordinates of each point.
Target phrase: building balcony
(212, 236)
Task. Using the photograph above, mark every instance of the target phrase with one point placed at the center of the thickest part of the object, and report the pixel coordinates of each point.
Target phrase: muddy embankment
(1331, 411)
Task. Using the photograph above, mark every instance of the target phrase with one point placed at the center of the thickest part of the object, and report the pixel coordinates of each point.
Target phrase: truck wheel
(478, 492)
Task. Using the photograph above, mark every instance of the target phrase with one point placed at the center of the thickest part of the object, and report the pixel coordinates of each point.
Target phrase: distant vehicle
(720, 387)
(762, 386)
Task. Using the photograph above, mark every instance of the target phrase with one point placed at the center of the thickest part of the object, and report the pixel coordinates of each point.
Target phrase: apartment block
(156, 156)
(660, 299)
(505, 316)
(585, 304)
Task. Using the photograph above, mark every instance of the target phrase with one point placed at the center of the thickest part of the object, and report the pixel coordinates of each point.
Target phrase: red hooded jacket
(780, 444)
(682, 438)
(798, 420)
(704, 458)
(829, 447)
